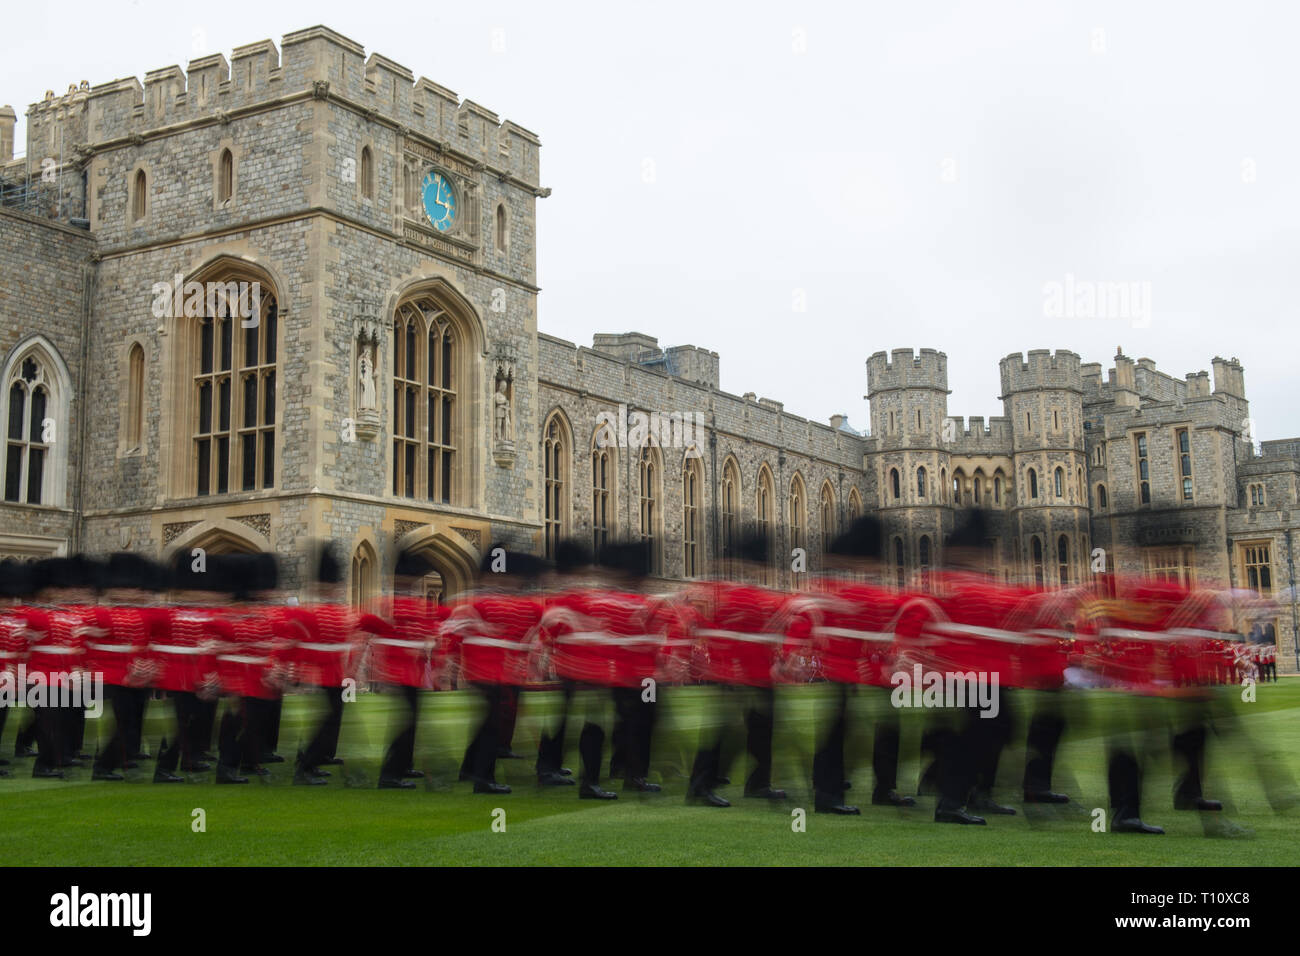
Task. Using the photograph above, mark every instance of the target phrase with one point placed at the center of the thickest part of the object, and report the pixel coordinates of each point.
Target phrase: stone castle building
(384, 383)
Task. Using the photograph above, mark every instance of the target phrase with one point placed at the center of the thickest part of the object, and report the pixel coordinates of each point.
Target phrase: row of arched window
(648, 492)
(978, 490)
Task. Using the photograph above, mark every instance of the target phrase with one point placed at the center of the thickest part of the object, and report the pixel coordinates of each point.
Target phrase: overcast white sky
(915, 173)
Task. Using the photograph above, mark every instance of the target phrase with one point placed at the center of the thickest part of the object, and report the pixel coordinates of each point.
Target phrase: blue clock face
(439, 200)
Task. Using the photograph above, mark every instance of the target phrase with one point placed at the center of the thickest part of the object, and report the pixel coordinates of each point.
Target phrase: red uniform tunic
(854, 633)
(56, 637)
(746, 632)
(13, 642)
(328, 644)
(606, 638)
(981, 627)
(405, 651)
(251, 660)
(119, 647)
(184, 646)
(498, 637)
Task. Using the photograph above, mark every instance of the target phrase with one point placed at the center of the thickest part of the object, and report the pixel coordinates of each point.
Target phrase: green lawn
(349, 822)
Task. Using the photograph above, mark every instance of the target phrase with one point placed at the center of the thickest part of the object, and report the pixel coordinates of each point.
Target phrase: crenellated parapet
(1043, 369)
(313, 63)
(903, 368)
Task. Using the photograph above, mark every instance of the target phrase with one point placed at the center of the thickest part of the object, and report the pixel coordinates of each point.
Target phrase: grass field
(349, 822)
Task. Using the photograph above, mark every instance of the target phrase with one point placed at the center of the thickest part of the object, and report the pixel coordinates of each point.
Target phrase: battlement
(315, 61)
(903, 368)
(1044, 369)
(978, 435)
(57, 125)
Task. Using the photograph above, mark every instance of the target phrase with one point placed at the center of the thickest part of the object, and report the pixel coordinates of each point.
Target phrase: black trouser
(1123, 780)
(709, 764)
(1045, 730)
(271, 739)
(325, 741)
(987, 736)
(188, 709)
(960, 750)
(480, 760)
(50, 722)
(400, 756)
(507, 714)
(135, 700)
(74, 731)
(259, 723)
(829, 770)
(115, 753)
(884, 754)
(550, 748)
(634, 721)
(205, 721)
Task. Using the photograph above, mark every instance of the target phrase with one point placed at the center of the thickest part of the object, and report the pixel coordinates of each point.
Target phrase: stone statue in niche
(504, 426)
(367, 379)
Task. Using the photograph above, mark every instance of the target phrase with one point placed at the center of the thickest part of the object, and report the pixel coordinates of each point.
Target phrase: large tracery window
(235, 394)
(425, 421)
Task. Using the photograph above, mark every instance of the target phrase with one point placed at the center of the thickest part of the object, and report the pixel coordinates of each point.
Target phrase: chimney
(8, 120)
(837, 422)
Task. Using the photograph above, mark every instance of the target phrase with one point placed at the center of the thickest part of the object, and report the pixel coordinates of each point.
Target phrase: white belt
(1129, 634)
(306, 646)
(115, 648)
(1193, 633)
(242, 659)
(52, 649)
(600, 637)
(395, 642)
(178, 649)
(8, 654)
(826, 631)
(992, 633)
(737, 636)
(494, 642)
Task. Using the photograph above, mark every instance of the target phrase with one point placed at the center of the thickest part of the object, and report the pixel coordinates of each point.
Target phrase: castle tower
(1043, 398)
(909, 406)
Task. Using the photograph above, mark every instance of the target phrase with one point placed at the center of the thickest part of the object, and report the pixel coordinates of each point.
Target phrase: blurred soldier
(741, 634)
(399, 657)
(252, 665)
(15, 588)
(325, 656)
(497, 629)
(854, 642)
(605, 644)
(182, 652)
(1119, 639)
(126, 618)
(56, 627)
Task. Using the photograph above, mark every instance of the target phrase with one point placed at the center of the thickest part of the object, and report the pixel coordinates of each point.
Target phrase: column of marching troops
(584, 625)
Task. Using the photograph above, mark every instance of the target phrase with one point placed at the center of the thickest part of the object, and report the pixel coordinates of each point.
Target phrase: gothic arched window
(428, 418)
(555, 468)
(602, 485)
(234, 388)
(690, 518)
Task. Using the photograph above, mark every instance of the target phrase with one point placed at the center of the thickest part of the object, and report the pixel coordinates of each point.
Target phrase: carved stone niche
(503, 410)
(365, 378)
